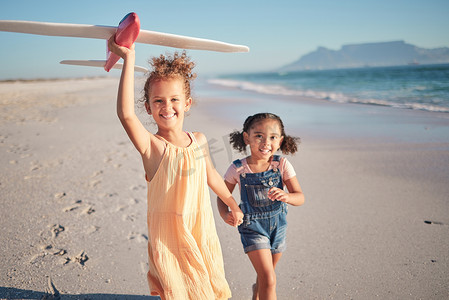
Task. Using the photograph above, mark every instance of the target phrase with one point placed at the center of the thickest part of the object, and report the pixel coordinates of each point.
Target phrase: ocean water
(416, 87)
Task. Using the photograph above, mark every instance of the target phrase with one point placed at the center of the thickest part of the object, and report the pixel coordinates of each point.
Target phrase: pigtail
(290, 144)
(237, 141)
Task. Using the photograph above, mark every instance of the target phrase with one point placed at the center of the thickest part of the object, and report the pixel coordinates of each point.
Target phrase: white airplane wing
(105, 32)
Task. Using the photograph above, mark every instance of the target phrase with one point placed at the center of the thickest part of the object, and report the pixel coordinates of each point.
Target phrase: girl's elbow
(299, 200)
(211, 183)
(125, 117)
(121, 115)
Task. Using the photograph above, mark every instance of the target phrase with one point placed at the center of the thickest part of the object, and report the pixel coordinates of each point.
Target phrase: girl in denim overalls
(261, 177)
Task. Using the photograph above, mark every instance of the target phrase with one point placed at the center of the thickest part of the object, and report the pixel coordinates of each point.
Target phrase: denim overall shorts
(265, 221)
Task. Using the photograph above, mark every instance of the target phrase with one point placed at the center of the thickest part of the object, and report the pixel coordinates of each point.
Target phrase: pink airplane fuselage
(127, 33)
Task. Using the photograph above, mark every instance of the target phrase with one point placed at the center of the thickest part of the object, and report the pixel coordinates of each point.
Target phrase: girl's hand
(276, 194)
(237, 217)
(228, 218)
(121, 51)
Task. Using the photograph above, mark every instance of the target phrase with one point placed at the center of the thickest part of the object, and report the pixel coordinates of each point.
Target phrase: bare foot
(255, 292)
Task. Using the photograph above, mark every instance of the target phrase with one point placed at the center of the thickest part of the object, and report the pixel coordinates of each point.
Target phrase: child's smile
(167, 117)
(168, 102)
(264, 139)
(265, 151)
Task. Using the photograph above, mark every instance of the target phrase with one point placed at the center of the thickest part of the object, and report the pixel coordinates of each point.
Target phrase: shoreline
(74, 197)
(354, 120)
(399, 86)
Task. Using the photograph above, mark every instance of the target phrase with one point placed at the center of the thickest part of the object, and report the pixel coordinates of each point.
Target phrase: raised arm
(138, 134)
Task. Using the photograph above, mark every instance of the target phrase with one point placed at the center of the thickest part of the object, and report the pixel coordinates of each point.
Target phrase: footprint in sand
(55, 230)
(49, 242)
(74, 206)
(98, 173)
(434, 223)
(130, 217)
(96, 178)
(133, 201)
(19, 149)
(34, 176)
(59, 252)
(144, 267)
(52, 291)
(139, 237)
(60, 196)
(50, 249)
(137, 187)
(89, 210)
(94, 183)
(35, 258)
(35, 165)
(79, 259)
(47, 249)
(92, 229)
(3, 138)
(121, 208)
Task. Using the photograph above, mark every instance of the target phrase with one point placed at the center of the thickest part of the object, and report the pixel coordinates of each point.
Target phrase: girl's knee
(267, 279)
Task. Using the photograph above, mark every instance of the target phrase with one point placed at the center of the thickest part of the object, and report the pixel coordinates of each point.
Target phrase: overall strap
(237, 163)
(275, 162)
(239, 166)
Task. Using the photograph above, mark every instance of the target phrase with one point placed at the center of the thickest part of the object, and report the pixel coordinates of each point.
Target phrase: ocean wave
(274, 89)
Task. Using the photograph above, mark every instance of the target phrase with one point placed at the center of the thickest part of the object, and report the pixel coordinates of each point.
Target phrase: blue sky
(277, 33)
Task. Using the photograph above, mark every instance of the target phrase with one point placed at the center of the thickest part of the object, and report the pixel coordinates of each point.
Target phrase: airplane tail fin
(101, 64)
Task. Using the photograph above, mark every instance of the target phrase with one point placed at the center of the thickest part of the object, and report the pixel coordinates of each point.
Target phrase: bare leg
(264, 263)
(275, 258)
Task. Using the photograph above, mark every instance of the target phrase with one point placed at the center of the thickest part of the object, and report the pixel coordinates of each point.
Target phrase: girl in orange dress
(185, 258)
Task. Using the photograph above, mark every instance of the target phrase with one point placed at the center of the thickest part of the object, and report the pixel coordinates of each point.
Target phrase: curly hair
(288, 145)
(169, 67)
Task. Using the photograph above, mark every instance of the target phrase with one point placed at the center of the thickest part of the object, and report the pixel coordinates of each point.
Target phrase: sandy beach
(375, 224)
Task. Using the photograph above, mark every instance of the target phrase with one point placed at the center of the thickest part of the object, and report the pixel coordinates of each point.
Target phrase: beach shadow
(14, 293)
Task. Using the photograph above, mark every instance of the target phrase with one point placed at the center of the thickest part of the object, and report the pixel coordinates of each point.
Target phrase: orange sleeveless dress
(185, 258)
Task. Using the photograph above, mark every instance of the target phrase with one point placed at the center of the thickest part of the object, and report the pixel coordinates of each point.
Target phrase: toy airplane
(127, 32)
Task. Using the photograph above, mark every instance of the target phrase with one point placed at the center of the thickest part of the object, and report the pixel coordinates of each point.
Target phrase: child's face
(168, 103)
(264, 138)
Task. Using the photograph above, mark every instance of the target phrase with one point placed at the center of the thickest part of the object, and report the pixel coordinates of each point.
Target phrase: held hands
(228, 218)
(237, 217)
(276, 194)
(233, 218)
(121, 51)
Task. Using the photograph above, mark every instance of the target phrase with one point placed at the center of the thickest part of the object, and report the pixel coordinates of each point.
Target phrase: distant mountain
(371, 54)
